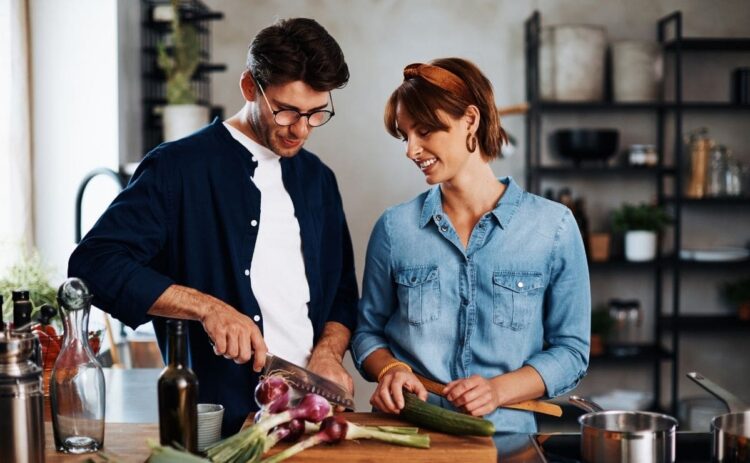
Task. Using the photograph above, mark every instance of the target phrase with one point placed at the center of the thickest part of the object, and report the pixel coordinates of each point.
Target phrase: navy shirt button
(256, 318)
(247, 272)
(253, 222)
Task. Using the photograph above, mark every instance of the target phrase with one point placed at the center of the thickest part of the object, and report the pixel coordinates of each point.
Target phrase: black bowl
(586, 144)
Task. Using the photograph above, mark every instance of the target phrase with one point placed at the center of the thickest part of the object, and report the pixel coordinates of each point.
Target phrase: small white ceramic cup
(209, 424)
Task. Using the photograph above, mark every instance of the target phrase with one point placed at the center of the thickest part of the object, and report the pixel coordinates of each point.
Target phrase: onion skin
(296, 429)
(333, 429)
(272, 393)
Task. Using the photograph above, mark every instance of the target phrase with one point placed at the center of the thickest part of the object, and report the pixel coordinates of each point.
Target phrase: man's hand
(328, 354)
(233, 334)
(329, 366)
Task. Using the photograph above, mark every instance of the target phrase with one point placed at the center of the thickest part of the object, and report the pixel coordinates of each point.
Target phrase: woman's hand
(389, 395)
(475, 395)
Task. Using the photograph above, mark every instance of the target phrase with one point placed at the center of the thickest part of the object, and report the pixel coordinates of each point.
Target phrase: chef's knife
(305, 380)
(537, 406)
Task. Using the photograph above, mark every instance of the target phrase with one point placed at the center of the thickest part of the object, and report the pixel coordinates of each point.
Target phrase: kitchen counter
(132, 418)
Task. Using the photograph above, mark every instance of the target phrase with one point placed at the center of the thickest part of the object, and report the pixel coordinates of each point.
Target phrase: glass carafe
(77, 384)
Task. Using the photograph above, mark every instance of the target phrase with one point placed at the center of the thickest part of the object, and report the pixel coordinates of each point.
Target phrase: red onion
(296, 429)
(311, 408)
(333, 429)
(272, 393)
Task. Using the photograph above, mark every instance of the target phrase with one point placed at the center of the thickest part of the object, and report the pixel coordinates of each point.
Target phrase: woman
(474, 283)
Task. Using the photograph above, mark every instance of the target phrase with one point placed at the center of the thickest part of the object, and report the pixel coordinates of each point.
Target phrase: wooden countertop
(127, 441)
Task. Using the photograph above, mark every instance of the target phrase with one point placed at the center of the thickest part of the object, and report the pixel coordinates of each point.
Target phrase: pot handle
(585, 404)
(733, 403)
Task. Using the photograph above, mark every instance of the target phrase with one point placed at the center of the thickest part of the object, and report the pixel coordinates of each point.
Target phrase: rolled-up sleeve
(113, 258)
(567, 322)
(378, 296)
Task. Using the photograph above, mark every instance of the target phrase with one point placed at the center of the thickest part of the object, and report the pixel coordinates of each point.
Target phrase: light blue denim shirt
(518, 295)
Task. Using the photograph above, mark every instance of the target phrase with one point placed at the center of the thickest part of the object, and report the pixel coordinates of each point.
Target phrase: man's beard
(270, 139)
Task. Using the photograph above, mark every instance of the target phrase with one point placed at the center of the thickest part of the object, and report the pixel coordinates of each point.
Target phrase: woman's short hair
(297, 49)
(421, 99)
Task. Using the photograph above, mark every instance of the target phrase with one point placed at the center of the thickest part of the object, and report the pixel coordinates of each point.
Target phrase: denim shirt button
(438, 218)
(481, 225)
(520, 284)
(444, 228)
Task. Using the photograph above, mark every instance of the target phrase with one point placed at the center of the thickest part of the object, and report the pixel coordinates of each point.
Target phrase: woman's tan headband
(440, 77)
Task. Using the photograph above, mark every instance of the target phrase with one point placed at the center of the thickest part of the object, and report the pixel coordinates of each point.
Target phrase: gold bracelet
(397, 363)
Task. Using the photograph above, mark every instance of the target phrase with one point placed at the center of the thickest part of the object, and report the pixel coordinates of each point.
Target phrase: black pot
(586, 144)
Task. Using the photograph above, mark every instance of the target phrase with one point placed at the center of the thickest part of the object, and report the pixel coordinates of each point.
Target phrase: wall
(380, 37)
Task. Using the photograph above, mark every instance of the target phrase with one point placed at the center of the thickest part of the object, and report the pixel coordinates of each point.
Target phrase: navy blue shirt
(186, 217)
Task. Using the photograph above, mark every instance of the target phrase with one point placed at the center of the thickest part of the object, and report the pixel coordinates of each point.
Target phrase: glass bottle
(77, 384)
(178, 393)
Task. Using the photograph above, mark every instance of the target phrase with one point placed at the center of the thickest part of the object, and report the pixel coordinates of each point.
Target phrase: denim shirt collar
(506, 206)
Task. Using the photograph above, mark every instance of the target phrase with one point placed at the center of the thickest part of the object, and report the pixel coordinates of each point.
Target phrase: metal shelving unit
(199, 16)
(668, 320)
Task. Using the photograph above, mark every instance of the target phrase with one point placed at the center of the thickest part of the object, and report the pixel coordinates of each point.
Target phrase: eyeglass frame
(332, 112)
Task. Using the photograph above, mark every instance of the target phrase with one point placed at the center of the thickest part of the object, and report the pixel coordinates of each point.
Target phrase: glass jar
(642, 155)
(699, 146)
(716, 179)
(77, 384)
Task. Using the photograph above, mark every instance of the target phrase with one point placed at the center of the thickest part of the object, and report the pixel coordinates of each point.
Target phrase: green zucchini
(446, 421)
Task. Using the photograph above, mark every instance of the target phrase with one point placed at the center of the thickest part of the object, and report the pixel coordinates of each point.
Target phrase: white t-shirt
(277, 272)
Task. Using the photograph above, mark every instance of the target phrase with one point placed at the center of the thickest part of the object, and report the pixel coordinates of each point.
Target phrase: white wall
(379, 37)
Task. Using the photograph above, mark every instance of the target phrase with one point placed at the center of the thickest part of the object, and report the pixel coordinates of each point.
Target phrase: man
(239, 230)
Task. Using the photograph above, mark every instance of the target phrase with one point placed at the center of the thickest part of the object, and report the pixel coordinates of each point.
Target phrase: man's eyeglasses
(287, 117)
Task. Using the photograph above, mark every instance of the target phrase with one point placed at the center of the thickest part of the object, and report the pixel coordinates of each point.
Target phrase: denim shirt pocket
(419, 291)
(516, 295)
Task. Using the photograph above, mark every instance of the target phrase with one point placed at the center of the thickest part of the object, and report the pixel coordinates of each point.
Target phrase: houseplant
(641, 224)
(737, 295)
(178, 57)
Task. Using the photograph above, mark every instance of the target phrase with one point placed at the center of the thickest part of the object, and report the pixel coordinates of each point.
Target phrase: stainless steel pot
(625, 436)
(731, 431)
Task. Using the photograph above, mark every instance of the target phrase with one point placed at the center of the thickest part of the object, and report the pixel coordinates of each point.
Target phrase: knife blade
(305, 380)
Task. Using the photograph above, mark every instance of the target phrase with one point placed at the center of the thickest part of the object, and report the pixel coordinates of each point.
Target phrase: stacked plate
(209, 425)
(719, 254)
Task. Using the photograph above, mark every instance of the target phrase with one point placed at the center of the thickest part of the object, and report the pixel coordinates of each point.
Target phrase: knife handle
(538, 406)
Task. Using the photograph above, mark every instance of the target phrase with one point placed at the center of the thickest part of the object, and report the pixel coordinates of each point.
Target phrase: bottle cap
(21, 295)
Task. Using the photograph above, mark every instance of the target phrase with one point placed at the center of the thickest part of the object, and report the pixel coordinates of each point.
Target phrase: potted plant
(641, 224)
(31, 274)
(178, 57)
(737, 295)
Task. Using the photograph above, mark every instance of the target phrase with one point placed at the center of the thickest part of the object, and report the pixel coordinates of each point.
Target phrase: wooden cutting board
(128, 442)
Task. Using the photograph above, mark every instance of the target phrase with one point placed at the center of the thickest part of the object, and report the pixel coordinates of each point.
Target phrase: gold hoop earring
(471, 142)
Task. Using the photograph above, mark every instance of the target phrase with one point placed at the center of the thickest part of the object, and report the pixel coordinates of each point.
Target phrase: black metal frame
(196, 13)
(671, 321)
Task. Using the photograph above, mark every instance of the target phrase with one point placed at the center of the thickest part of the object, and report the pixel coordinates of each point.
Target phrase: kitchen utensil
(585, 144)
(624, 436)
(307, 381)
(21, 399)
(537, 406)
(731, 431)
